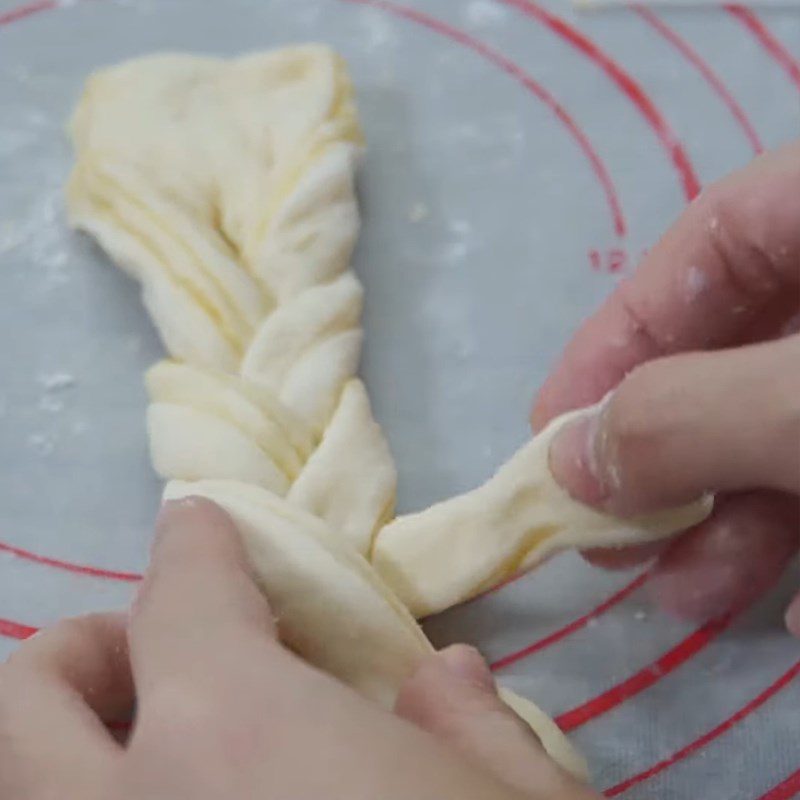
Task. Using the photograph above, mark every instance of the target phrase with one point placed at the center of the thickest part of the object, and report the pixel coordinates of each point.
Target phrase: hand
(223, 710)
(707, 397)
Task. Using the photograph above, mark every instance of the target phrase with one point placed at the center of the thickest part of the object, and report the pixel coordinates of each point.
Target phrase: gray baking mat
(520, 158)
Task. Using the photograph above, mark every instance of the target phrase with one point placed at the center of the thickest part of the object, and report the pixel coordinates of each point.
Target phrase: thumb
(680, 426)
(453, 696)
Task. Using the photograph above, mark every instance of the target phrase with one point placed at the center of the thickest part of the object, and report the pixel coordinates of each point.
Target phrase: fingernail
(167, 514)
(468, 665)
(574, 461)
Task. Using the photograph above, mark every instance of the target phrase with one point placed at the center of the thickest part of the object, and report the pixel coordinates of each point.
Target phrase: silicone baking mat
(521, 157)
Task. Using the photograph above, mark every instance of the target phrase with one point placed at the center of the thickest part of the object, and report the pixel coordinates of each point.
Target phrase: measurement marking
(767, 40)
(644, 678)
(784, 790)
(702, 66)
(726, 725)
(28, 10)
(69, 566)
(572, 627)
(512, 69)
(16, 630)
(626, 83)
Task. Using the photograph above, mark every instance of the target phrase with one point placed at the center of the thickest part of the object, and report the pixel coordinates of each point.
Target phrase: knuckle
(739, 227)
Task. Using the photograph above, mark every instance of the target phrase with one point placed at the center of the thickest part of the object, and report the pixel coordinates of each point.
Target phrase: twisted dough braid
(225, 188)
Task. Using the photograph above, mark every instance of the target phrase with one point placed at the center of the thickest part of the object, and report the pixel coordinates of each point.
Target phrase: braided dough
(226, 189)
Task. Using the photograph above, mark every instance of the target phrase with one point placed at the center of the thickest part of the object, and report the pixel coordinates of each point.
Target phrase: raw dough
(462, 546)
(333, 608)
(226, 189)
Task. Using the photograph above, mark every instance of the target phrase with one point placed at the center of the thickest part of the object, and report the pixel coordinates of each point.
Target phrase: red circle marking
(625, 82)
(16, 630)
(515, 71)
(702, 66)
(767, 40)
(457, 35)
(644, 678)
(700, 638)
(26, 11)
(724, 726)
(572, 627)
(69, 566)
(784, 790)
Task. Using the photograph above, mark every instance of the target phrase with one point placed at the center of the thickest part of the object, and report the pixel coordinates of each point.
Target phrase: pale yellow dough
(226, 189)
(455, 549)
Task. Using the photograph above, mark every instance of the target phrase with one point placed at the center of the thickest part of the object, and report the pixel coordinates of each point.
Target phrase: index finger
(727, 272)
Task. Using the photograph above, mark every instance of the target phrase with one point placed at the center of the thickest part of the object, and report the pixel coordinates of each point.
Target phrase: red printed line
(702, 66)
(709, 736)
(515, 71)
(28, 10)
(506, 65)
(16, 630)
(80, 569)
(784, 790)
(572, 627)
(767, 40)
(625, 82)
(646, 677)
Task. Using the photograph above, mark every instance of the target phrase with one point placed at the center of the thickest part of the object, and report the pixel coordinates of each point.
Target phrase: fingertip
(573, 462)
(449, 683)
(180, 513)
(466, 664)
(194, 526)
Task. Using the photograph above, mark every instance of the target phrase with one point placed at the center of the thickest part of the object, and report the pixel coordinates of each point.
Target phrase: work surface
(521, 157)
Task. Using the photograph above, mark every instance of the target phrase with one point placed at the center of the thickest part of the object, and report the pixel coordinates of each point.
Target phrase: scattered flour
(44, 235)
(56, 381)
(42, 444)
(418, 212)
(379, 32)
(50, 404)
(696, 282)
(79, 427)
(484, 12)
(54, 385)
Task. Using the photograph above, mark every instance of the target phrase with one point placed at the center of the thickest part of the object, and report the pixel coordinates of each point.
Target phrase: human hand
(223, 710)
(707, 397)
